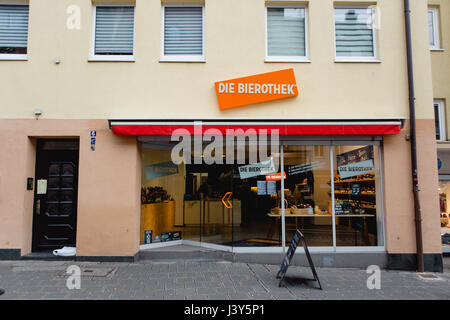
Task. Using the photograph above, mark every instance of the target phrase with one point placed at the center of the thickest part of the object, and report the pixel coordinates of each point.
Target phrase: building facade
(439, 15)
(98, 95)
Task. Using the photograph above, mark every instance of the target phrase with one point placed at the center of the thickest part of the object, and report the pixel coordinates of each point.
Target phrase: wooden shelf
(350, 194)
(351, 180)
(273, 215)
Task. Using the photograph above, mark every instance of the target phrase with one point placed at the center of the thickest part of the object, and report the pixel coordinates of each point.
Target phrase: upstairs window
(439, 118)
(355, 33)
(13, 30)
(183, 33)
(433, 28)
(114, 32)
(286, 34)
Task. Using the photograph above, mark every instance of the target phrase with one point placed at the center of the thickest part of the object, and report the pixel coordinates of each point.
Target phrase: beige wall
(109, 186)
(440, 59)
(16, 204)
(234, 46)
(399, 203)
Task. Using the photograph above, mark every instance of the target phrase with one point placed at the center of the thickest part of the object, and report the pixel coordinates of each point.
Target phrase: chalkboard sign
(298, 236)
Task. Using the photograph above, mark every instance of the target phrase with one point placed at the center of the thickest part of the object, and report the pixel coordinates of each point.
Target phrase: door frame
(35, 223)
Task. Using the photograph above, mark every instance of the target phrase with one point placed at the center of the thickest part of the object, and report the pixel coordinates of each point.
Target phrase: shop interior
(217, 204)
(444, 194)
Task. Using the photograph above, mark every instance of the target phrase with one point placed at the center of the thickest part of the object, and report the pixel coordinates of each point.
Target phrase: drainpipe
(412, 113)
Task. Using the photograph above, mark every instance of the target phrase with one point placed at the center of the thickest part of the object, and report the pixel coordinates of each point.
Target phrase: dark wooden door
(55, 195)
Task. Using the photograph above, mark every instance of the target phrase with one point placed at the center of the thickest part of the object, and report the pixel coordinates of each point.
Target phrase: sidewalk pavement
(209, 279)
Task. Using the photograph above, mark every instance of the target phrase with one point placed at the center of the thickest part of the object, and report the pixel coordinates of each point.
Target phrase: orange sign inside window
(275, 177)
(256, 89)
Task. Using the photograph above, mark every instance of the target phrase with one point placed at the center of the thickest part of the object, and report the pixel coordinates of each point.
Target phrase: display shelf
(352, 180)
(362, 199)
(364, 193)
(363, 205)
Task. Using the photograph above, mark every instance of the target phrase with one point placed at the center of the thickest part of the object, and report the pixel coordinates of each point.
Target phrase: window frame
(17, 56)
(436, 29)
(304, 58)
(373, 59)
(439, 103)
(120, 58)
(181, 57)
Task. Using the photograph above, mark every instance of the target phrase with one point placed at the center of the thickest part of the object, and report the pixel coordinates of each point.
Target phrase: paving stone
(200, 280)
(186, 292)
(207, 291)
(284, 296)
(239, 296)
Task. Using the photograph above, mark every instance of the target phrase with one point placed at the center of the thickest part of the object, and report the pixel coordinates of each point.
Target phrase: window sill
(437, 49)
(356, 60)
(183, 59)
(111, 59)
(290, 59)
(13, 57)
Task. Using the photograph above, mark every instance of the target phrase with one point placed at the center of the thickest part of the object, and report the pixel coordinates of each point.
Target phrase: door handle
(226, 200)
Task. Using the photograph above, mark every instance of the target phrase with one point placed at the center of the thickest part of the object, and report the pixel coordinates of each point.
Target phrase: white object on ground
(65, 251)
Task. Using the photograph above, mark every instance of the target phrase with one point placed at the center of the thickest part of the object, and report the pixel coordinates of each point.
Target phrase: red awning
(164, 128)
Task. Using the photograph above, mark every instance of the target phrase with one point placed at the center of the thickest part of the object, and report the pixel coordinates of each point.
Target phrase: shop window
(444, 195)
(210, 203)
(355, 33)
(332, 194)
(13, 31)
(439, 118)
(113, 33)
(308, 194)
(357, 196)
(183, 33)
(433, 28)
(286, 34)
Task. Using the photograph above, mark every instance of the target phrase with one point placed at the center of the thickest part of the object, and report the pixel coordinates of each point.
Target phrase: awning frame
(313, 127)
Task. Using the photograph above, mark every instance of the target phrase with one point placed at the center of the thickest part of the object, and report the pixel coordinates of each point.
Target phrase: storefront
(222, 196)
(444, 195)
(327, 145)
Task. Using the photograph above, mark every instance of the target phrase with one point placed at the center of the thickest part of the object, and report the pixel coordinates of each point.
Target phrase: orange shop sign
(275, 177)
(256, 89)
